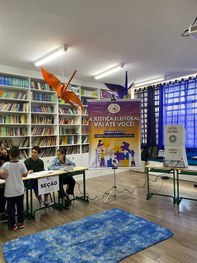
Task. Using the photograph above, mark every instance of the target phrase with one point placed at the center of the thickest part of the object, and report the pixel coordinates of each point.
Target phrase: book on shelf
(9, 131)
(65, 131)
(13, 119)
(42, 131)
(63, 120)
(85, 139)
(39, 119)
(51, 151)
(69, 139)
(85, 148)
(46, 109)
(89, 93)
(67, 110)
(40, 86)
(14, 95)
(23, 107)
(44, 141)
(12, 81)
(43, 97)
(72, 149)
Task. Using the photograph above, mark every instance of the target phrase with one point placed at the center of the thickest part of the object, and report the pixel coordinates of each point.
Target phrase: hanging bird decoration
(1, 93)
(61, 89)
(121, 90)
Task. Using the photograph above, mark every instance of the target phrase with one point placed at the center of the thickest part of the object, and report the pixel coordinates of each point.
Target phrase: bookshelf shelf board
(11, 99)
(13, 88)
(69, 125)
(86, 125)
(13, 136)
(35, 102)
(85, 143)
(14, 124)
(48, 146)
(86, 134)
(69, 115)
(44, 91)
(74, 134)
(15, 112)
(45, 113)
(43, 124)
(45, 135)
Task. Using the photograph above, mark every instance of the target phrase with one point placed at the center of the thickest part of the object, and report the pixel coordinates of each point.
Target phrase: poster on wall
(114, 133)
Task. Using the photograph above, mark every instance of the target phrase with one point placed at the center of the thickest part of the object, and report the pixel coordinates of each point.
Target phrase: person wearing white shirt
(14, 188)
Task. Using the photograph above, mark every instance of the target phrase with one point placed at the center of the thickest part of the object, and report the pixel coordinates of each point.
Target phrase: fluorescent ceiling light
(147, 82)
(51, 55)
(109, 71)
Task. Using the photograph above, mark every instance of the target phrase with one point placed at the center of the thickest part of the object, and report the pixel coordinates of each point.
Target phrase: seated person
(34, 164)
(59, 162)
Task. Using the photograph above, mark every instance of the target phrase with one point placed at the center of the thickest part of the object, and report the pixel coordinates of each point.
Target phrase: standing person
(59, 162)
(4, 157)
(35, 164)
(14, 188)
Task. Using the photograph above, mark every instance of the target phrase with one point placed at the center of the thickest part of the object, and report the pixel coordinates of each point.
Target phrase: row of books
(72, 149)
(13, 119)
(46, 109)
(51, 151)
(67, 110)
(84, 120)
(46, 141)
(64, 131)
(69, 139)
(63, 120)
(85, 148)
(11, 81)
(85, 130)
(22, 143)
(85, 139)
(40, 86)
(84, 101)
(85, 111)
(42, 131)
(43, 97)
(8, 131)
(23, 107)
(14, 95)
(89, 93)
(38, 119)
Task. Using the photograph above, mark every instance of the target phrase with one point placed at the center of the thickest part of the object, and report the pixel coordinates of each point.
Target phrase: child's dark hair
(62, 150)
(37, 148)
(14, 151)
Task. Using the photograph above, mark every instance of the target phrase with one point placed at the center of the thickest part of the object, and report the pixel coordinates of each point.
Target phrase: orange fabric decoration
(1, 93)
(61, 89)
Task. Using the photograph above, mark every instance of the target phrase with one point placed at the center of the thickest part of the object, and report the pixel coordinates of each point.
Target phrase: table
(176, 172)
(166, 170)
(190, 170)
(29, 212)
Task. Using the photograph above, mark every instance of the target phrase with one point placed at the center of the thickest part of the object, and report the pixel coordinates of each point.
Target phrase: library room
(98, 131)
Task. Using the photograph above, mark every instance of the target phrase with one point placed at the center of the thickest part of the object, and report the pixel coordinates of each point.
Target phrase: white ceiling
(145, 35)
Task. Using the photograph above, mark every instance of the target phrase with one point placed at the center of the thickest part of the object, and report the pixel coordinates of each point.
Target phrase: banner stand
(113, 189)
